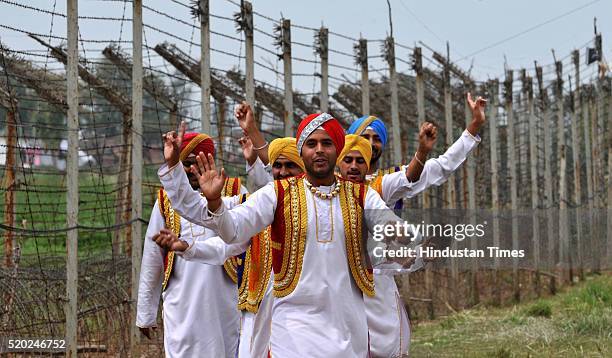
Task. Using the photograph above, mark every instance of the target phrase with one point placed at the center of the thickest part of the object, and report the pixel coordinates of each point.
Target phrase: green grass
(575, 323)
(540, 308)
(40, 204)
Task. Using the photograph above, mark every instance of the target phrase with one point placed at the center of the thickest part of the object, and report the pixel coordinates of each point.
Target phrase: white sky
(469, 26)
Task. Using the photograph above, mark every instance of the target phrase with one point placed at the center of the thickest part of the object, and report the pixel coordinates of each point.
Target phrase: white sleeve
(187, 202)
(437, 170)
(239, 224)
(258, 175)
(151, 273)
(212, 251)
(376, 210)
(243, 189)
(395, 186)
(376, 213)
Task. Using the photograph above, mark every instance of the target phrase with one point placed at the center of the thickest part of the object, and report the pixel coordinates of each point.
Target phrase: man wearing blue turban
(387, 319)
(373, 129)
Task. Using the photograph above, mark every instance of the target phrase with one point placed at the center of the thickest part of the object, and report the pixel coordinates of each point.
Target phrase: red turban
(312, 122)
(196, 143)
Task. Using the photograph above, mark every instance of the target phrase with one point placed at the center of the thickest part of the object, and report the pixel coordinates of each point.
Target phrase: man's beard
(193, 181)
(321, 174)
(376, 154)
(355, 173)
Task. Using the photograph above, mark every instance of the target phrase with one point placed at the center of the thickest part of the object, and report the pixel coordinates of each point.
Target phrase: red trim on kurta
(236, 186)
(256, 265)
(160, 199)
(277, 232)
(162, 208)
(166, 261)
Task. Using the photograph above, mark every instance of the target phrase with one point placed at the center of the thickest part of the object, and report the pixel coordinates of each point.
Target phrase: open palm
(210, 179)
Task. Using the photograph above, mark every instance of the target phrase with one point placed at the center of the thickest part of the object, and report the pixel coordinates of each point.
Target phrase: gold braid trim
(243, 289)
(288, 228)
(173, 222)
(352, 215)
(231, 265)
(295, 240)
(256, 291)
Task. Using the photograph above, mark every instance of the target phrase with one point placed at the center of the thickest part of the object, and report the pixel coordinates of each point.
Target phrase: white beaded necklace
(321, 194)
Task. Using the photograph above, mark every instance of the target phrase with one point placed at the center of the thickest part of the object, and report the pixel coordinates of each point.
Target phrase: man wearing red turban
(199, 301)
(321, 272)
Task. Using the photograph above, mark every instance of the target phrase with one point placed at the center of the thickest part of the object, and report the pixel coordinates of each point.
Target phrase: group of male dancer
(284, 271)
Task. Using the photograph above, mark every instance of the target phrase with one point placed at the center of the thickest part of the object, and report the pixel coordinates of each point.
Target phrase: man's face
(319, 155)
(193, 181)
(376, 144)
(353, 166)
(284, 168)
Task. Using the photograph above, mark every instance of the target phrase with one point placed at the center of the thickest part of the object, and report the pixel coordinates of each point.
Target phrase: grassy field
(40, 205)
(575, 323)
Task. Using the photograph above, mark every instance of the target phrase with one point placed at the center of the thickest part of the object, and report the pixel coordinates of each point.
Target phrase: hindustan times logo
(459, 232)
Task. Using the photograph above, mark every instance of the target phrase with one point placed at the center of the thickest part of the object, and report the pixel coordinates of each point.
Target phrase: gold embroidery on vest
(352, 215)
(296, 222)
(254, 295)
(173, 223)
(231, 265)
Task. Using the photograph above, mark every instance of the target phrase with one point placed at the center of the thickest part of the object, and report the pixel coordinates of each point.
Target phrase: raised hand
(245, 117)
(172, 145)
(210, 179)
(247, 149)
(166, 239)
(478, 113)
(428, 134)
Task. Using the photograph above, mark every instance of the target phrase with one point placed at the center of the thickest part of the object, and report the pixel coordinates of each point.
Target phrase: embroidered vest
(254, 272)
(173, 223)
(288, 234)
(376, 183)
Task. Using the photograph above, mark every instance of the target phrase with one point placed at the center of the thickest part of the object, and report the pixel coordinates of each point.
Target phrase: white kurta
(387, 318)
(325, 315)
(199, 303)
(254, 327)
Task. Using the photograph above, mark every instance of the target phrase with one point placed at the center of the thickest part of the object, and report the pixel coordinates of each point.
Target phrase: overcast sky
(482, 31)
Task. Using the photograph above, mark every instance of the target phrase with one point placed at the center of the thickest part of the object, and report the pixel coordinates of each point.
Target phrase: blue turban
(361, 124)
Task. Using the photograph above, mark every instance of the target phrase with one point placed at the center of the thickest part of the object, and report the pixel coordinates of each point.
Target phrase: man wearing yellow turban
(286, 162)
(354, 160)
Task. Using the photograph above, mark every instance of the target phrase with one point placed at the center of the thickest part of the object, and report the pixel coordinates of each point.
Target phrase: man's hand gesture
(172, 145)
(478, 113)
(245, 117)
(247, 149)
(167, 240)
(210, 179)
(428, 134)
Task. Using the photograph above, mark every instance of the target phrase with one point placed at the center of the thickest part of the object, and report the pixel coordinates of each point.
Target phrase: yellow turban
(358, 143)
(286, 147)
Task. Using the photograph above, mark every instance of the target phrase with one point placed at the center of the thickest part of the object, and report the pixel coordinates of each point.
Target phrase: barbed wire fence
(543, 167)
